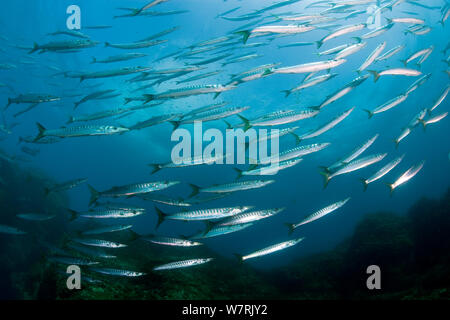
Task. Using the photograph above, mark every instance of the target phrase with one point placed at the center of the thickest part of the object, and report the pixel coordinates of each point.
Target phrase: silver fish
(387, 105)
(182, 264)
(98, 243)
(79, 131)
(231, 187)
(406, 176)
(324, 128)
(170, 241)
(131, 190)
(202, 214)
(118, 272)
(270, 249)
(353, 166)
(317, 215)
(382, 172)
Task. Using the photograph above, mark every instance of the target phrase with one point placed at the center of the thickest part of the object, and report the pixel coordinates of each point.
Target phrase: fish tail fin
(404, 62)
(229, 126)
(326, 177)
(34, 49)
(70, 120)
(209, 226)
(107, 44)
(9, 103)
(358, 39)
(46, 191)
(324, 168)
(239, 173)
(155, 167)
(239, 257)
(388, 20)
(41, 129)
(216, 95)
(73, 215)
(246, 122)
(369, 113)
(317, 108)
(149, 97)
(290, 226)
(286, 93)
(396, 143)
(175, 124)
(267, 72)
(94, 195)
(375, 74)
(424, 124)
(365, 184)
(94, 60)
(319, 44)
(195, 190)
(245, 35)
(391, 187)
(297, 138)
(161, 217)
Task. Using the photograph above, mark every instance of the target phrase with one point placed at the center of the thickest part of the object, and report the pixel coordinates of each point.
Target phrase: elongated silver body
(321, 213)
(182, 264)
(271, 249)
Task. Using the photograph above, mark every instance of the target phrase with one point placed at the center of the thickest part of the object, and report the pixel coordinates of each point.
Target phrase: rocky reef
(412, 251)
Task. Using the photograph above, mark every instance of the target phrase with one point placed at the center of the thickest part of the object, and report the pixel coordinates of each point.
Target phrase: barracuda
(353, 166)
(310, 82)
(270, 249)
(406, 176)
(248, 217)
(279, 118)
(231, 187)
(317, 215)
(98, 243)
(189, 91)
(297, 152)
(387, 105)
(79, 131)
(182, 264)
(172, 242)
(217, 230)
(340, 32)
(268, 170)
(324, 128)
(382, 172)
(372, 57)
(202, 214)
(118, 272)
(131, 190)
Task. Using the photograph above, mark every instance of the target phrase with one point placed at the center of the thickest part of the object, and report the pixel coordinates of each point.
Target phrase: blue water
(123, 159)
